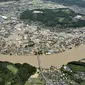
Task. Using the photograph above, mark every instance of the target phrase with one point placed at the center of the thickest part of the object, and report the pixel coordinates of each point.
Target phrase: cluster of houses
(16, 37)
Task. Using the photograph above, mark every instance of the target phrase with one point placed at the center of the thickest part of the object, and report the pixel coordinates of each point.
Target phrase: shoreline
(74, 54)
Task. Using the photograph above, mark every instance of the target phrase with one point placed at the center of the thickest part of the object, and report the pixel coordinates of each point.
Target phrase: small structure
(76, 41)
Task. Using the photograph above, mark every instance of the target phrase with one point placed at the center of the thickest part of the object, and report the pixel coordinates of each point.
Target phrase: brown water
(74, 54)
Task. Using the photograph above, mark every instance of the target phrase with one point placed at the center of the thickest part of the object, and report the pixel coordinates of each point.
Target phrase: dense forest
(76, 72)
(62, 17)
(15, 74)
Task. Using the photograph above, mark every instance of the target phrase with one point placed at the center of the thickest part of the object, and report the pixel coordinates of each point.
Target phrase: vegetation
(34, 81)
(12, 68)
(76, 72)
(83, 83)
(15, 74)
(62, 17)
(77, 66)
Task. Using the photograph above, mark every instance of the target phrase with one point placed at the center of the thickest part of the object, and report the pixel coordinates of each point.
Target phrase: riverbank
(74, 54)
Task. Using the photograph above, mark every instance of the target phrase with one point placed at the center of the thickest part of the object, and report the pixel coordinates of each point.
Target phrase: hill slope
(62, 17)
(15, 74)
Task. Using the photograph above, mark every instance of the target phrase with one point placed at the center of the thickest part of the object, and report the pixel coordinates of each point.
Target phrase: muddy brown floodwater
(74, 54)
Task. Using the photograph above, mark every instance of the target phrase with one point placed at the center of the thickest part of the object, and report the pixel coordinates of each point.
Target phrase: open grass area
(77, 67)
(12, 68)
(34, 81)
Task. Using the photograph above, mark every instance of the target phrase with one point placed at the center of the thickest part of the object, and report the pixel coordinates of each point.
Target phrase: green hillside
(62, 17)
(15, 74)
(75, 70)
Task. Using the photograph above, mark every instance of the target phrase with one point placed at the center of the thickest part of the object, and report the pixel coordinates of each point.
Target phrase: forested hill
(15, 74)
(80, 3)
(62, 17)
